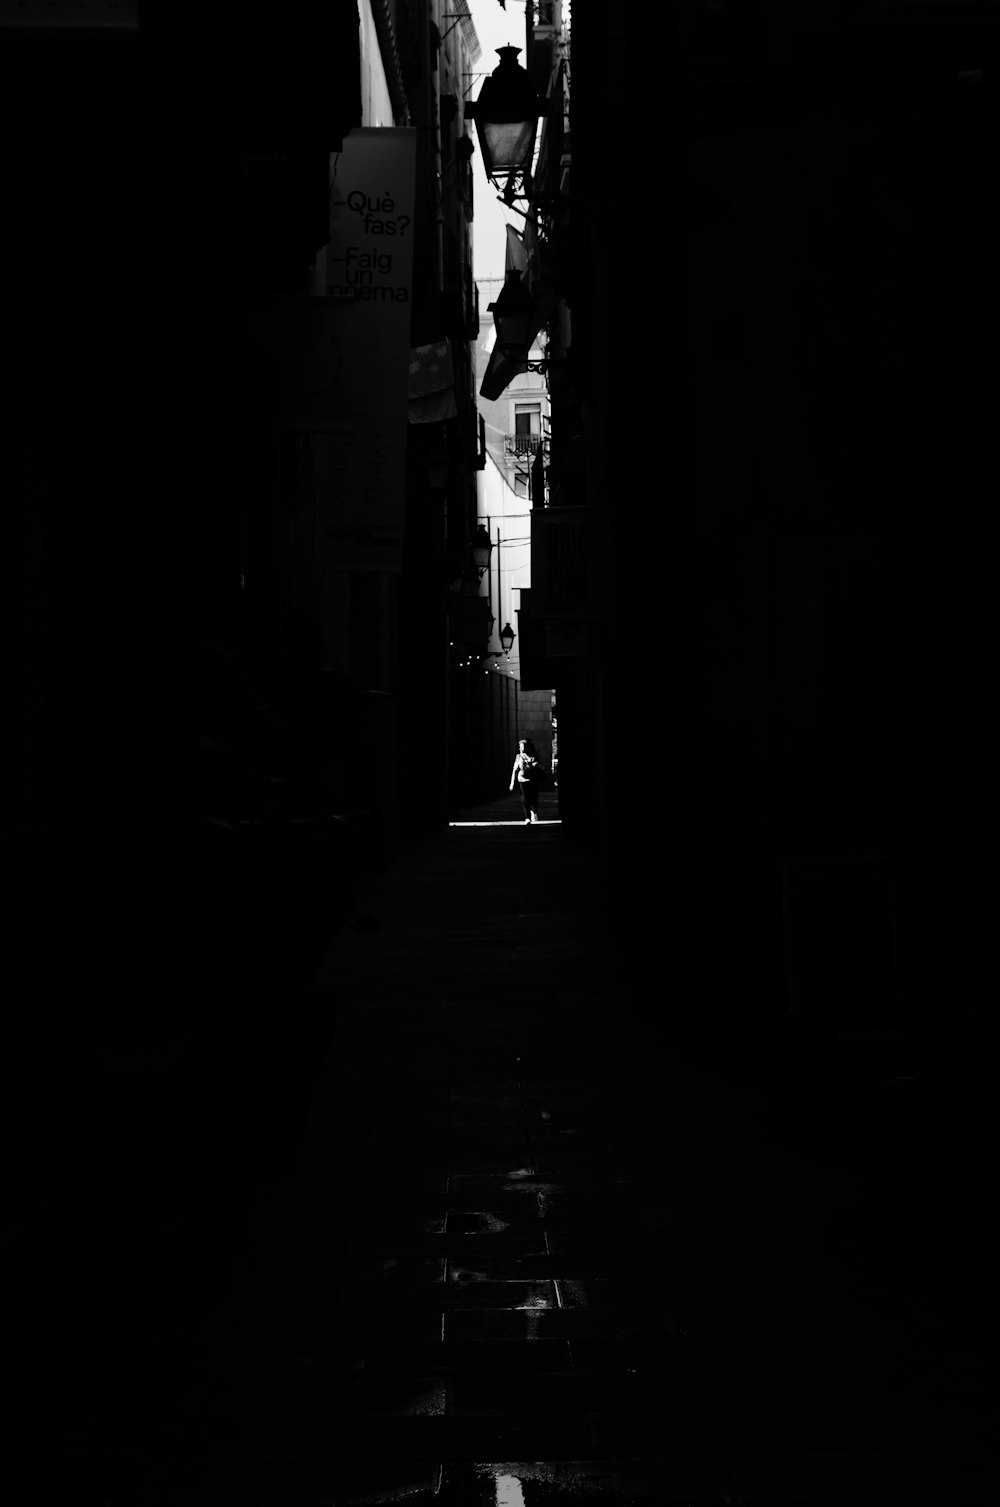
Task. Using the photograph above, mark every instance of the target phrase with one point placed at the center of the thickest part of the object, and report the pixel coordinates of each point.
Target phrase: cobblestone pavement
(531, 1250)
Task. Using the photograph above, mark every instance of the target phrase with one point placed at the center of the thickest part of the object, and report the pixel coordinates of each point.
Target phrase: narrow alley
(397, 384)
(529, 1250)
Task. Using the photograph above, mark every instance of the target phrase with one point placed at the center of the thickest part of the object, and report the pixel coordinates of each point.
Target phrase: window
(527, 437)
(527, 418)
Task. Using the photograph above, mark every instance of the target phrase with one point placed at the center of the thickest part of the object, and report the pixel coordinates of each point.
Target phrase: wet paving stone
(531, 1296)
(558, 1323)
(478, 1357)
(569, 1392)
(502, 1269)
(513, 1191)
(314, 1484)
(519, 1220)
(520, 1326)
(496, 1245)
(389, 1394)
(452, 1439)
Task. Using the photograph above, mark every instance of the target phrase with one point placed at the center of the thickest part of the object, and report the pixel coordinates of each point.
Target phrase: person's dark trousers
(529, 800)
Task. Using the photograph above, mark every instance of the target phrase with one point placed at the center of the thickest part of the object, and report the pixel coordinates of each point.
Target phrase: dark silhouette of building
(781, 234)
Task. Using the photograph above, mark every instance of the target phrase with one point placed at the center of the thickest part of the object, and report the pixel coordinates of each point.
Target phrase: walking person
(527, 775)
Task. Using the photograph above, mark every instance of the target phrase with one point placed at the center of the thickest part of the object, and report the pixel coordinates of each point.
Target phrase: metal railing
(522, 444)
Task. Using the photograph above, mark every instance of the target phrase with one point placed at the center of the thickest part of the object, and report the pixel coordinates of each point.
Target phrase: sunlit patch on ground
(542, 822)
(627, 1481)
(508, 1492)
(482, 1220)
(535, 1304)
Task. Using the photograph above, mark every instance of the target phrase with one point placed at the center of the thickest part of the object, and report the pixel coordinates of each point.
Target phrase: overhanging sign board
(360, 459)
(564, 563)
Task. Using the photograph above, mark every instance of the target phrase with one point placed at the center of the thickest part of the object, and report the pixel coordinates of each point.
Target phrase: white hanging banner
(361, 460)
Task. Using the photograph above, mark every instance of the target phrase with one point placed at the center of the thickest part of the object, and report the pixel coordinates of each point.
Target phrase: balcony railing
(515, 446)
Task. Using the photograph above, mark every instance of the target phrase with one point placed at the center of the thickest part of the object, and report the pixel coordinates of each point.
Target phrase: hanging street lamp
(506, 116)
(507, 637)
(517, 317)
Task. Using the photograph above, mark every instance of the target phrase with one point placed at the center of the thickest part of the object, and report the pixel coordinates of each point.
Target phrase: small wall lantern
(482, 548)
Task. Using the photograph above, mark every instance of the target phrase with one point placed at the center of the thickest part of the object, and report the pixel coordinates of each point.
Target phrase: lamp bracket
(454, 16)
(547, 207)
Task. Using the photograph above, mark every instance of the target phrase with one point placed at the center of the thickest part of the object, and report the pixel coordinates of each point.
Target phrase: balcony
(519, 446)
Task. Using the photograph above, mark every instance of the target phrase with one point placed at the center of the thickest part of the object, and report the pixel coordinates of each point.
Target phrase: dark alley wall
(142, 490)
(99, 338)
(807, 486)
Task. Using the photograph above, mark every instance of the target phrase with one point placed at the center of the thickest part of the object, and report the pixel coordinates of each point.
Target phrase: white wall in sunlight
(376, 103)
(508, 516)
